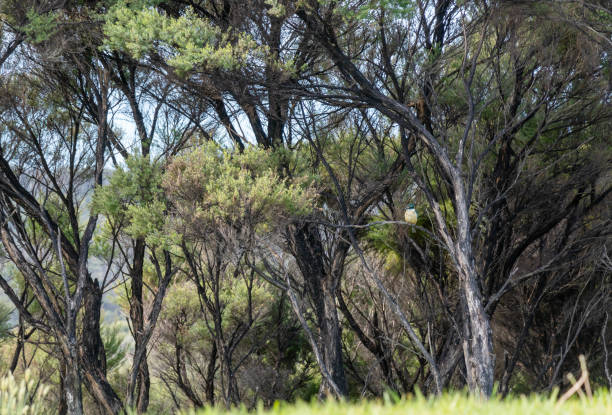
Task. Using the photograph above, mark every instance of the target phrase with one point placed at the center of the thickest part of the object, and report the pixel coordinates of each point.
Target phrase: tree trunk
(331, 344)
(143, 382)
(210, 376)
(18, 347)
(307, 249)
(478, 341)
(232, 394)
(72, 389)
(183, 378)
(93, 355)
(62, 408)
(144, 385)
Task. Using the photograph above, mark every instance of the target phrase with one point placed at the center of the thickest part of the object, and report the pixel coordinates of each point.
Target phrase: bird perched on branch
(410, 215)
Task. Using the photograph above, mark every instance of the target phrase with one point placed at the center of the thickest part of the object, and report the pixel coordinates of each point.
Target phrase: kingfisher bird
(410, 215)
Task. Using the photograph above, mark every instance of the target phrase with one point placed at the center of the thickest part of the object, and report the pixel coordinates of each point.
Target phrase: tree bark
(141, 388)
(62, 408)
(183, 378)
(93, 355)
(307, 249)
(72, 389)
(144, 386)
(478, 341)
(331, 341)
(210, 376)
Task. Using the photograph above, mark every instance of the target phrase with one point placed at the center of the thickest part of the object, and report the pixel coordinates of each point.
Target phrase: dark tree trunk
(18, 347)
(331, 342)
(321, 287)
(62, 408)
(93, 355)
(92, 345)
(210, 376)
(144, 385)
(183, 378)
(143, 381)
(232, 394)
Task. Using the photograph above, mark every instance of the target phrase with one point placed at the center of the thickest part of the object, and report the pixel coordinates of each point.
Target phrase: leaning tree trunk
(329, 335)
(478, 339)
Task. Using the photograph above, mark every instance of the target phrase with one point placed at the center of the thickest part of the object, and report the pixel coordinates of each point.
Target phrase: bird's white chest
(410, 216)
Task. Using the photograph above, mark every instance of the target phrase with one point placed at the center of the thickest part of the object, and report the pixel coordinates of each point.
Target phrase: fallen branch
(577, 384)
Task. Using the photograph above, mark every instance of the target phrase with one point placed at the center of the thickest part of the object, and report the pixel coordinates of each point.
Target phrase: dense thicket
(202, 202)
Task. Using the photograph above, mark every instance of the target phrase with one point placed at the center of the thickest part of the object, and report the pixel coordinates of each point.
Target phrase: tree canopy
(202, 202)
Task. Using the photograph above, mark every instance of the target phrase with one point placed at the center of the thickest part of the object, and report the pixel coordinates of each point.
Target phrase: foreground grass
(27, 397)
(24, 397)
(450, 404)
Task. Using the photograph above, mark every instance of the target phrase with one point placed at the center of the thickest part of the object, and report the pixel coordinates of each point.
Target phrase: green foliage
(182, 309)
(396, 8)
(25, 397)
(147, 221)
(401, 9)
(356, 161)
(383, 238)
(211, 185)
(5, 320)
(133, 200)
(40, 27)
(114, 346)
(136, 184)
(276, 8)
(283, 357)
(57, 210)
(234, 295)
(450, 404)
(188, 40)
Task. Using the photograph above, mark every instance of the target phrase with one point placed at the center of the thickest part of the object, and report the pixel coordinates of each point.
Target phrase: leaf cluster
(186, 42)
(211, 186)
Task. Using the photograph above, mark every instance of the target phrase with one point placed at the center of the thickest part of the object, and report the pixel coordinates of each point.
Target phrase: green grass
(23, 397)
(450, 404)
